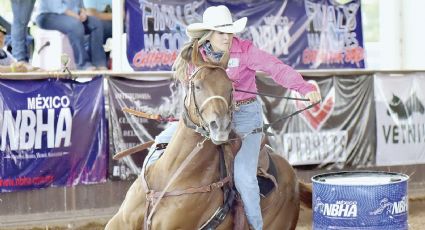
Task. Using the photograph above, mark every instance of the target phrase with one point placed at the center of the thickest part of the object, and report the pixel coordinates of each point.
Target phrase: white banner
(400, 119)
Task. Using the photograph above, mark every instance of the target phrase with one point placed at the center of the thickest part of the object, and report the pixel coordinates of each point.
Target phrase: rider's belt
(246, 101)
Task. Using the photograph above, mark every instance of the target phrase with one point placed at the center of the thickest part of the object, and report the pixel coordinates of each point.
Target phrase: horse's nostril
(213, 125)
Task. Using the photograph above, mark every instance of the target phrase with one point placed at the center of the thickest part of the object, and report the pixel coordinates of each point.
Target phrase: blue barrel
(363, 200)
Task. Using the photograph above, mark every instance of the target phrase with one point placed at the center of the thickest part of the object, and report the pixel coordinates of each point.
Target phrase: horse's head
(209, 102)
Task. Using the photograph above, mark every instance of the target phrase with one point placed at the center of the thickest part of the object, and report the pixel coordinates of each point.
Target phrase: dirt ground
(416, 216)
(416, 220)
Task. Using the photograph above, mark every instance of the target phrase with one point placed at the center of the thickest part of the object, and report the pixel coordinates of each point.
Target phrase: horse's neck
(203, 166)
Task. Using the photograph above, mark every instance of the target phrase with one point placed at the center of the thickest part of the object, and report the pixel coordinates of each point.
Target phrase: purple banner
(306, 34)
(53, 133)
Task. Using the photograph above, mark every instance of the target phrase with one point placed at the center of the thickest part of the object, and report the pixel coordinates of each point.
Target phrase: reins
(266, 126)
(272, 95)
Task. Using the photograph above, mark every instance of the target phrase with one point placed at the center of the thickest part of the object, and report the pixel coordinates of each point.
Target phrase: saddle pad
(266, 184)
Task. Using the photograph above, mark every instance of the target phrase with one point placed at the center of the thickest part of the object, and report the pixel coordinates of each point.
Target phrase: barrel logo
(391, 208)
(341, 208)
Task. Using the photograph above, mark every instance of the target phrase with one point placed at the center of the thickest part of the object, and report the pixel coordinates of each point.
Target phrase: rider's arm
(281, 73)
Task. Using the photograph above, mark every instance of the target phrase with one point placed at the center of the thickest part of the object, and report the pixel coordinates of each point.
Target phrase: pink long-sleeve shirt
(246, 59)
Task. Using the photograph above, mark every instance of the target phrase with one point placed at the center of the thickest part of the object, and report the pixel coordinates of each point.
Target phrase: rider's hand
(314, 96)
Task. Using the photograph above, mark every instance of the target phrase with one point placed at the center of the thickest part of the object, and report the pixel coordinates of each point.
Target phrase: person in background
(22, 10)
(7, 63)
(70, 18)
(102, 10)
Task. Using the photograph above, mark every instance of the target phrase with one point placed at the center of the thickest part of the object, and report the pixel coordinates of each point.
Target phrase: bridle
(202, 128)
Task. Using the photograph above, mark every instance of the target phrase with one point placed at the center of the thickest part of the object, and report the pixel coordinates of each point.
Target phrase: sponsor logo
(47, 122)
(341, 208)
(316, 147)
(404, 110)
(408, 127)
(391, 208)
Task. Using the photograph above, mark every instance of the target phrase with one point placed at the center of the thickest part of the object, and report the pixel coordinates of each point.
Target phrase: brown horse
(208, 104)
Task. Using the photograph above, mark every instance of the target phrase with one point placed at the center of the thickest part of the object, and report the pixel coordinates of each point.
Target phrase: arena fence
(105, 198)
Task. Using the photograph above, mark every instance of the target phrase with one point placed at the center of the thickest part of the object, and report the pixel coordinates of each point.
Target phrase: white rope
(212, 98)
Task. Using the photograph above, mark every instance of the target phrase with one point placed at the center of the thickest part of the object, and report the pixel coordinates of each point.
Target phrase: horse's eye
(197, 87)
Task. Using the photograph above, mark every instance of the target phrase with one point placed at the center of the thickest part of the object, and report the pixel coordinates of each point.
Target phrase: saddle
(266, 169)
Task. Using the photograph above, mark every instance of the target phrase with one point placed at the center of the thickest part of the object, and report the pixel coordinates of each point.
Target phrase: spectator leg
(22, 10)
(107, 30)
(97, 53)
(73, 29)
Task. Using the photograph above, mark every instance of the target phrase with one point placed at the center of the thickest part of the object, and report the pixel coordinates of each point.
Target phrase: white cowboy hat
(218, 18)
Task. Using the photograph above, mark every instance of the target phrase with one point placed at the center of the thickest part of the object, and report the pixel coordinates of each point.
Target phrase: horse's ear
(224, 60)
(195, 54)
(195, 51)
(187, 54)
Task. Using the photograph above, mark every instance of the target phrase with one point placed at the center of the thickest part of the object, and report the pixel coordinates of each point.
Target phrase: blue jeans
(245, 119)
(107, 29)
(76, 31)
(22, 10)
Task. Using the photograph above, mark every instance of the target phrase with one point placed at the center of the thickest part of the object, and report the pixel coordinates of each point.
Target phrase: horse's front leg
(131, 213)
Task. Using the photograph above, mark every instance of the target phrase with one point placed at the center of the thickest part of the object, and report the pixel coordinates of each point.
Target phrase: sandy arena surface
(416, 220)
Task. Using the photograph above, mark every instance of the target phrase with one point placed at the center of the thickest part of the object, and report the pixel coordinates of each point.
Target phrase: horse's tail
(306, 194)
